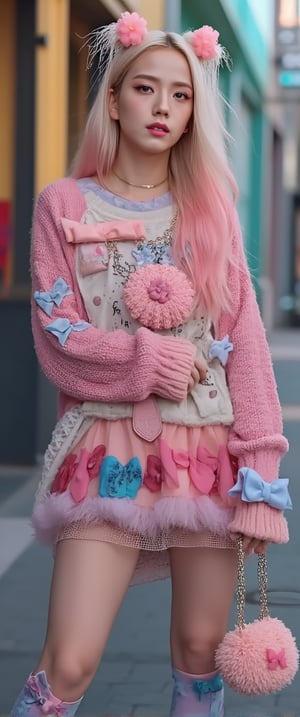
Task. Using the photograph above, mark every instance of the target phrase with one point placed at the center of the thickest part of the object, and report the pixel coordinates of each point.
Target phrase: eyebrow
(155, 79)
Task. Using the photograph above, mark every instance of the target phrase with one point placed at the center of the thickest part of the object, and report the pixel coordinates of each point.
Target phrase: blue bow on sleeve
(61, 328)
(47, 299)
(118, 481)
(220, 349)
(251, 488)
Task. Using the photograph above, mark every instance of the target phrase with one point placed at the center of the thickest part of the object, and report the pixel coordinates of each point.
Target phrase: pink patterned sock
(197, 695)
(37, 700)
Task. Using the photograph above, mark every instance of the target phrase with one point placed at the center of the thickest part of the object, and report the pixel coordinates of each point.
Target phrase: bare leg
(89, 582)
(203, 583)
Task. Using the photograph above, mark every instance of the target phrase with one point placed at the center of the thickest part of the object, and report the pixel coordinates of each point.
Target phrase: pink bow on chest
(77, 233)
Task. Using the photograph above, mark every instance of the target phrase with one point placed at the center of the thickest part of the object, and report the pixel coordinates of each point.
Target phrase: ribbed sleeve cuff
(261, 521)
(174, 361)
(266, 463)
(263, 454)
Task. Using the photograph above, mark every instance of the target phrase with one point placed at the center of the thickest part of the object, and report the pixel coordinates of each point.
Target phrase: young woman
(145, 319)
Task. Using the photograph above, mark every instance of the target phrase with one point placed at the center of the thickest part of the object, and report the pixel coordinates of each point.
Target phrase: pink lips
(158, 128)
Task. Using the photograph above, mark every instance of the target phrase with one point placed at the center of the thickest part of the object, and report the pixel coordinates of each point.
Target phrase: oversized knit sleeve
(255, 438)
(93, 364)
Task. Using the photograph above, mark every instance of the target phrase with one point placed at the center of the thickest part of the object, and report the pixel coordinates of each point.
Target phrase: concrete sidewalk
(134, 678)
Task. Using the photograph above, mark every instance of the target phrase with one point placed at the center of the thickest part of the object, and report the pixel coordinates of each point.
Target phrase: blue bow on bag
(118, 481)
(253, 489)
(47, 299)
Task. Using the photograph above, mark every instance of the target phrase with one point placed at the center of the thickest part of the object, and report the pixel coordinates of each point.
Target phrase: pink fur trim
(200, 514)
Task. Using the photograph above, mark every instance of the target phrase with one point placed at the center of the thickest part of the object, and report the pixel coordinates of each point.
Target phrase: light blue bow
(143, 256)
(220, 349)
(117, 481)
(204, 687)
(61, 328)
(146, 255)
(167, 256)
(253, 489)
(47, 299)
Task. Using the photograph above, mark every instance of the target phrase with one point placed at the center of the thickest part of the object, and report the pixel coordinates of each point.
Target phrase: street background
(46, 93)
(134, 678)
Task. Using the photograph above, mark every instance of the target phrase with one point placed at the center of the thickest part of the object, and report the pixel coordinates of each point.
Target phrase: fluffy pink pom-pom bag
(260, 657)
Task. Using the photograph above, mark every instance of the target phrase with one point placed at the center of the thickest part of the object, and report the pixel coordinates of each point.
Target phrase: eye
(144, 89)
(181, 96)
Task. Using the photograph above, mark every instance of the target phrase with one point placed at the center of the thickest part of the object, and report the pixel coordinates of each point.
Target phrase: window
(289, 13)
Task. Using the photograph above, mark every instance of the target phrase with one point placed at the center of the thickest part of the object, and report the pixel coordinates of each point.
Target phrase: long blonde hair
(201, 181)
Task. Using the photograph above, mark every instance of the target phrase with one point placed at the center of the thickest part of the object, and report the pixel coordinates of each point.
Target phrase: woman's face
(155, 101)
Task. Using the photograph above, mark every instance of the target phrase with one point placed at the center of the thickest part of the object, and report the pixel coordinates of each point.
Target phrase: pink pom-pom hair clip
(131, 29)
(103, 42)
(205, 43)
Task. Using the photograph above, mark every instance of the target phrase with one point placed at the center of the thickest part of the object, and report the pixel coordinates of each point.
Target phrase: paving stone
(134, 679)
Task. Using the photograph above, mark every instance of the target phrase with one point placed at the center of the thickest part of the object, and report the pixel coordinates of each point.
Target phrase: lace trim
(68, 431)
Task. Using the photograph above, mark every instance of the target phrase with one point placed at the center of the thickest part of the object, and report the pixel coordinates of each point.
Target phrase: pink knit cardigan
(115, 366)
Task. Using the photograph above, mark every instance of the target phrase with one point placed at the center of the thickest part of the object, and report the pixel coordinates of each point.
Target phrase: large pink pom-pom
(131, 29)
(160, 296)
(259, 659)
(205, 42)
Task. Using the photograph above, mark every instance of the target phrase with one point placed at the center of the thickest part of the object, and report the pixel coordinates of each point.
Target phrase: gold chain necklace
(140, 186)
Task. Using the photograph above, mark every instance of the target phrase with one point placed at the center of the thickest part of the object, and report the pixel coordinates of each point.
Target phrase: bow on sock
(203, 687)
(193, 696)
(36, 700)
(34, 694)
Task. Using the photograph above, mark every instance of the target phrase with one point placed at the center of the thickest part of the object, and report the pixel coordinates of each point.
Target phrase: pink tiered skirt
(181, 501)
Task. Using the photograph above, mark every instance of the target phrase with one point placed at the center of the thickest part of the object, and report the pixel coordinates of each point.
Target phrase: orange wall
(153, 11)
(52, 21)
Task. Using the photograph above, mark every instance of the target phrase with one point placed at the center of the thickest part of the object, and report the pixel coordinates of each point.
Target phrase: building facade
(45, 98)
(46, 92)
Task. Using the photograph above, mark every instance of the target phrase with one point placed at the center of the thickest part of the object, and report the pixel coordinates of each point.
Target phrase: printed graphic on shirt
(92, 258)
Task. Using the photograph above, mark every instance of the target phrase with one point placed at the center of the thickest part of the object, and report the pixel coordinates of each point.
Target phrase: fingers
(194, 378)
(254, 545)
(261, 549)
(198, 374)
(202, 369)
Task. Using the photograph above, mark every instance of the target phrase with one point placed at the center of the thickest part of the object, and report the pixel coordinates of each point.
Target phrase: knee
(69, 674)
(194, 650)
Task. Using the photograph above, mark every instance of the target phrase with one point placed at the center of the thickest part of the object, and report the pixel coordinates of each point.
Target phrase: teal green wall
(243, 86)
(249, 37)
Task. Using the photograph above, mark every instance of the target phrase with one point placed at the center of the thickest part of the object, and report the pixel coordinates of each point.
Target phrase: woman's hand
(253, 545)
(198, 373)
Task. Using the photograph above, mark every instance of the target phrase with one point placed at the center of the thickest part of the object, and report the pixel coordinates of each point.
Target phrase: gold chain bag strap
(260, 657)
